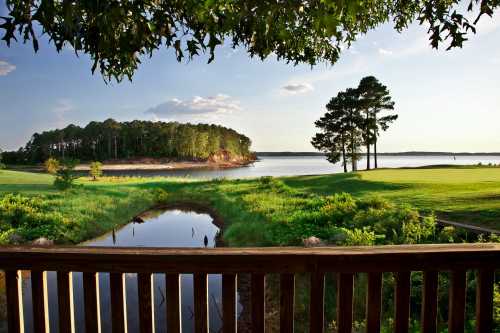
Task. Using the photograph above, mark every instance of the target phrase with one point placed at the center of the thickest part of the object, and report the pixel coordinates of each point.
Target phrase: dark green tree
(117, 34)
(374, 99)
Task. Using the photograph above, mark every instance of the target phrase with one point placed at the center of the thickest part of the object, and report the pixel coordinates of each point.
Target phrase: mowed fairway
(462, 194)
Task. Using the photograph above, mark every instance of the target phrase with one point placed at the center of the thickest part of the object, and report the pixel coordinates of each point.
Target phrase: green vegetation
(301, 32)
(51, 165)
(95, 170)
(352, 120)
(128, 140)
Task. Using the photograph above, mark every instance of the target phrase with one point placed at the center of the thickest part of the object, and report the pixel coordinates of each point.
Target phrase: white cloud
(212, 106)
(384, 51)
(297, 88)
(60, 110)
(6, 68)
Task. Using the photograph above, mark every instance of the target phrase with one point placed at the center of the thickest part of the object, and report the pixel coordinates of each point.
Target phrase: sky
(446, 100)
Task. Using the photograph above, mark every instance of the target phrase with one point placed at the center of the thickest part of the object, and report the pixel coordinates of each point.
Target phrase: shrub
(359, 237)
(95, 170)
(65, 176)
(52, 165)
(160, 196)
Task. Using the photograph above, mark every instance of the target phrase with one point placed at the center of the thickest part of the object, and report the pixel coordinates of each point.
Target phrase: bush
(65, 177)
(52, 165)
(95, 170)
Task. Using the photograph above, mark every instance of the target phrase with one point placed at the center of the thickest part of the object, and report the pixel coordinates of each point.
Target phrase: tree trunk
(353, 151)
(368, 156)
(367, 137)
(116, 149)
(344, 162)
(375, 152)
(375, 137)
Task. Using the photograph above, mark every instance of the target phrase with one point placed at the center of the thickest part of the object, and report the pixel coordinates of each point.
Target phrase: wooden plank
(229, 322)
(402, 302)
(118, 302)
(484, 300)
(258, 286)
(65, 302)
(39, 300)
(15, 316)
(287, 302)
(429, 301)
(262, 260)
(146, 308)
(456, 315)
(173, 290)
(374, 302)
(91, 301)
(317, 303)
(200, 284)
(345, 289)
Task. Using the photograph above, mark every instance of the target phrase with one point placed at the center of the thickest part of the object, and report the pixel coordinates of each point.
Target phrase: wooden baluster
(173, 290)
(402, 302)
(65, 302)
(287, 302)
(118, 302)
(146, 307)
(345, 288)
(429, 301)
(374, 302)
(258, 302)
(484, 300)
(316, 305)
(15, 316)
(39, 300)
(456, 316)
(229, 324)
(200, 282)
(91, 301)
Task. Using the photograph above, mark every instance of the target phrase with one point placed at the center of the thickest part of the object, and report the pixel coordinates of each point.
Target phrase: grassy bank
(259, 211)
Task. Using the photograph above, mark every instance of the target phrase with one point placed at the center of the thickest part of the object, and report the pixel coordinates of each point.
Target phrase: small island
(137, 145)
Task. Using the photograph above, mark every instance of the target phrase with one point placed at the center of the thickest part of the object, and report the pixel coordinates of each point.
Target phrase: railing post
(201, 324)
(429, 301)
(456, 307)
(173, 290)
(345, 288)
(287, 302)
(146, 307)
(402, 303)
(39, 301)
(317, 303)
(15, 315)
(484, 300)
(229, 322)
(118, 302)
(91, 301)
(65, 302)
(374, 302)
(257, 295)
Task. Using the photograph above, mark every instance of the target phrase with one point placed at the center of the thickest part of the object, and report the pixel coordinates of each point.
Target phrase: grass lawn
(461, 194)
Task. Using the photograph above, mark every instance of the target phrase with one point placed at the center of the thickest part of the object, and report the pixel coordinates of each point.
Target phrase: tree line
(99, 141)
(354, 120)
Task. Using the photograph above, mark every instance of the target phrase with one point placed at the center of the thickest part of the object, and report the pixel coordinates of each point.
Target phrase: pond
(174, 227)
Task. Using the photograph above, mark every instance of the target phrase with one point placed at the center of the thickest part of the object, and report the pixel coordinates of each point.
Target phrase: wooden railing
(345, 261)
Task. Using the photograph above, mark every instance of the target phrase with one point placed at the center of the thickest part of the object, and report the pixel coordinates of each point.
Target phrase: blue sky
(447, 101)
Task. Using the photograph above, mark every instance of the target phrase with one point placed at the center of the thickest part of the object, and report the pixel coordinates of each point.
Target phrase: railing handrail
(264, 260)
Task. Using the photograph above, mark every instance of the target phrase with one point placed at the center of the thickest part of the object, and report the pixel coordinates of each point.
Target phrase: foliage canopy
(115, 34)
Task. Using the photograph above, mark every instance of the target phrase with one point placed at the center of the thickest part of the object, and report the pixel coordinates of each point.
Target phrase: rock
(312, 242)
(16, 239)
(137, 219)
(42, 241)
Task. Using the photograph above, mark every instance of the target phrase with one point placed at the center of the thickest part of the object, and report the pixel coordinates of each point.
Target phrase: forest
(110, 140)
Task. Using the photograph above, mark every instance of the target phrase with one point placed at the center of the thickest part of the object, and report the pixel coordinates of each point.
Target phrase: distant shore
(405, 153)
(178, 165)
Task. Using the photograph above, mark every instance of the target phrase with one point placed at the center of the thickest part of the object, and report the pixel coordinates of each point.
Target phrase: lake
(161, 228)
(307, 165)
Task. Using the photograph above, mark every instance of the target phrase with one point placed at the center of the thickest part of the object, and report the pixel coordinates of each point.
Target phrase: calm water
(305, 165)
(171, 228)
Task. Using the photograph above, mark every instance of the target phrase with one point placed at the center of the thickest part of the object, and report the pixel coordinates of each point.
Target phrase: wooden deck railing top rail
(230, 262)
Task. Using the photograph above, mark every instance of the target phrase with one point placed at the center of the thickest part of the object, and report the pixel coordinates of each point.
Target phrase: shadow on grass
(349, 182)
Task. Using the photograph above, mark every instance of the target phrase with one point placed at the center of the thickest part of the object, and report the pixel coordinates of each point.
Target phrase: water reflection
(171, 228)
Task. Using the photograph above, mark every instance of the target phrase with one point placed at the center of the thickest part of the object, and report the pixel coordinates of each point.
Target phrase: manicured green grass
(470, 195)
(461, 194)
